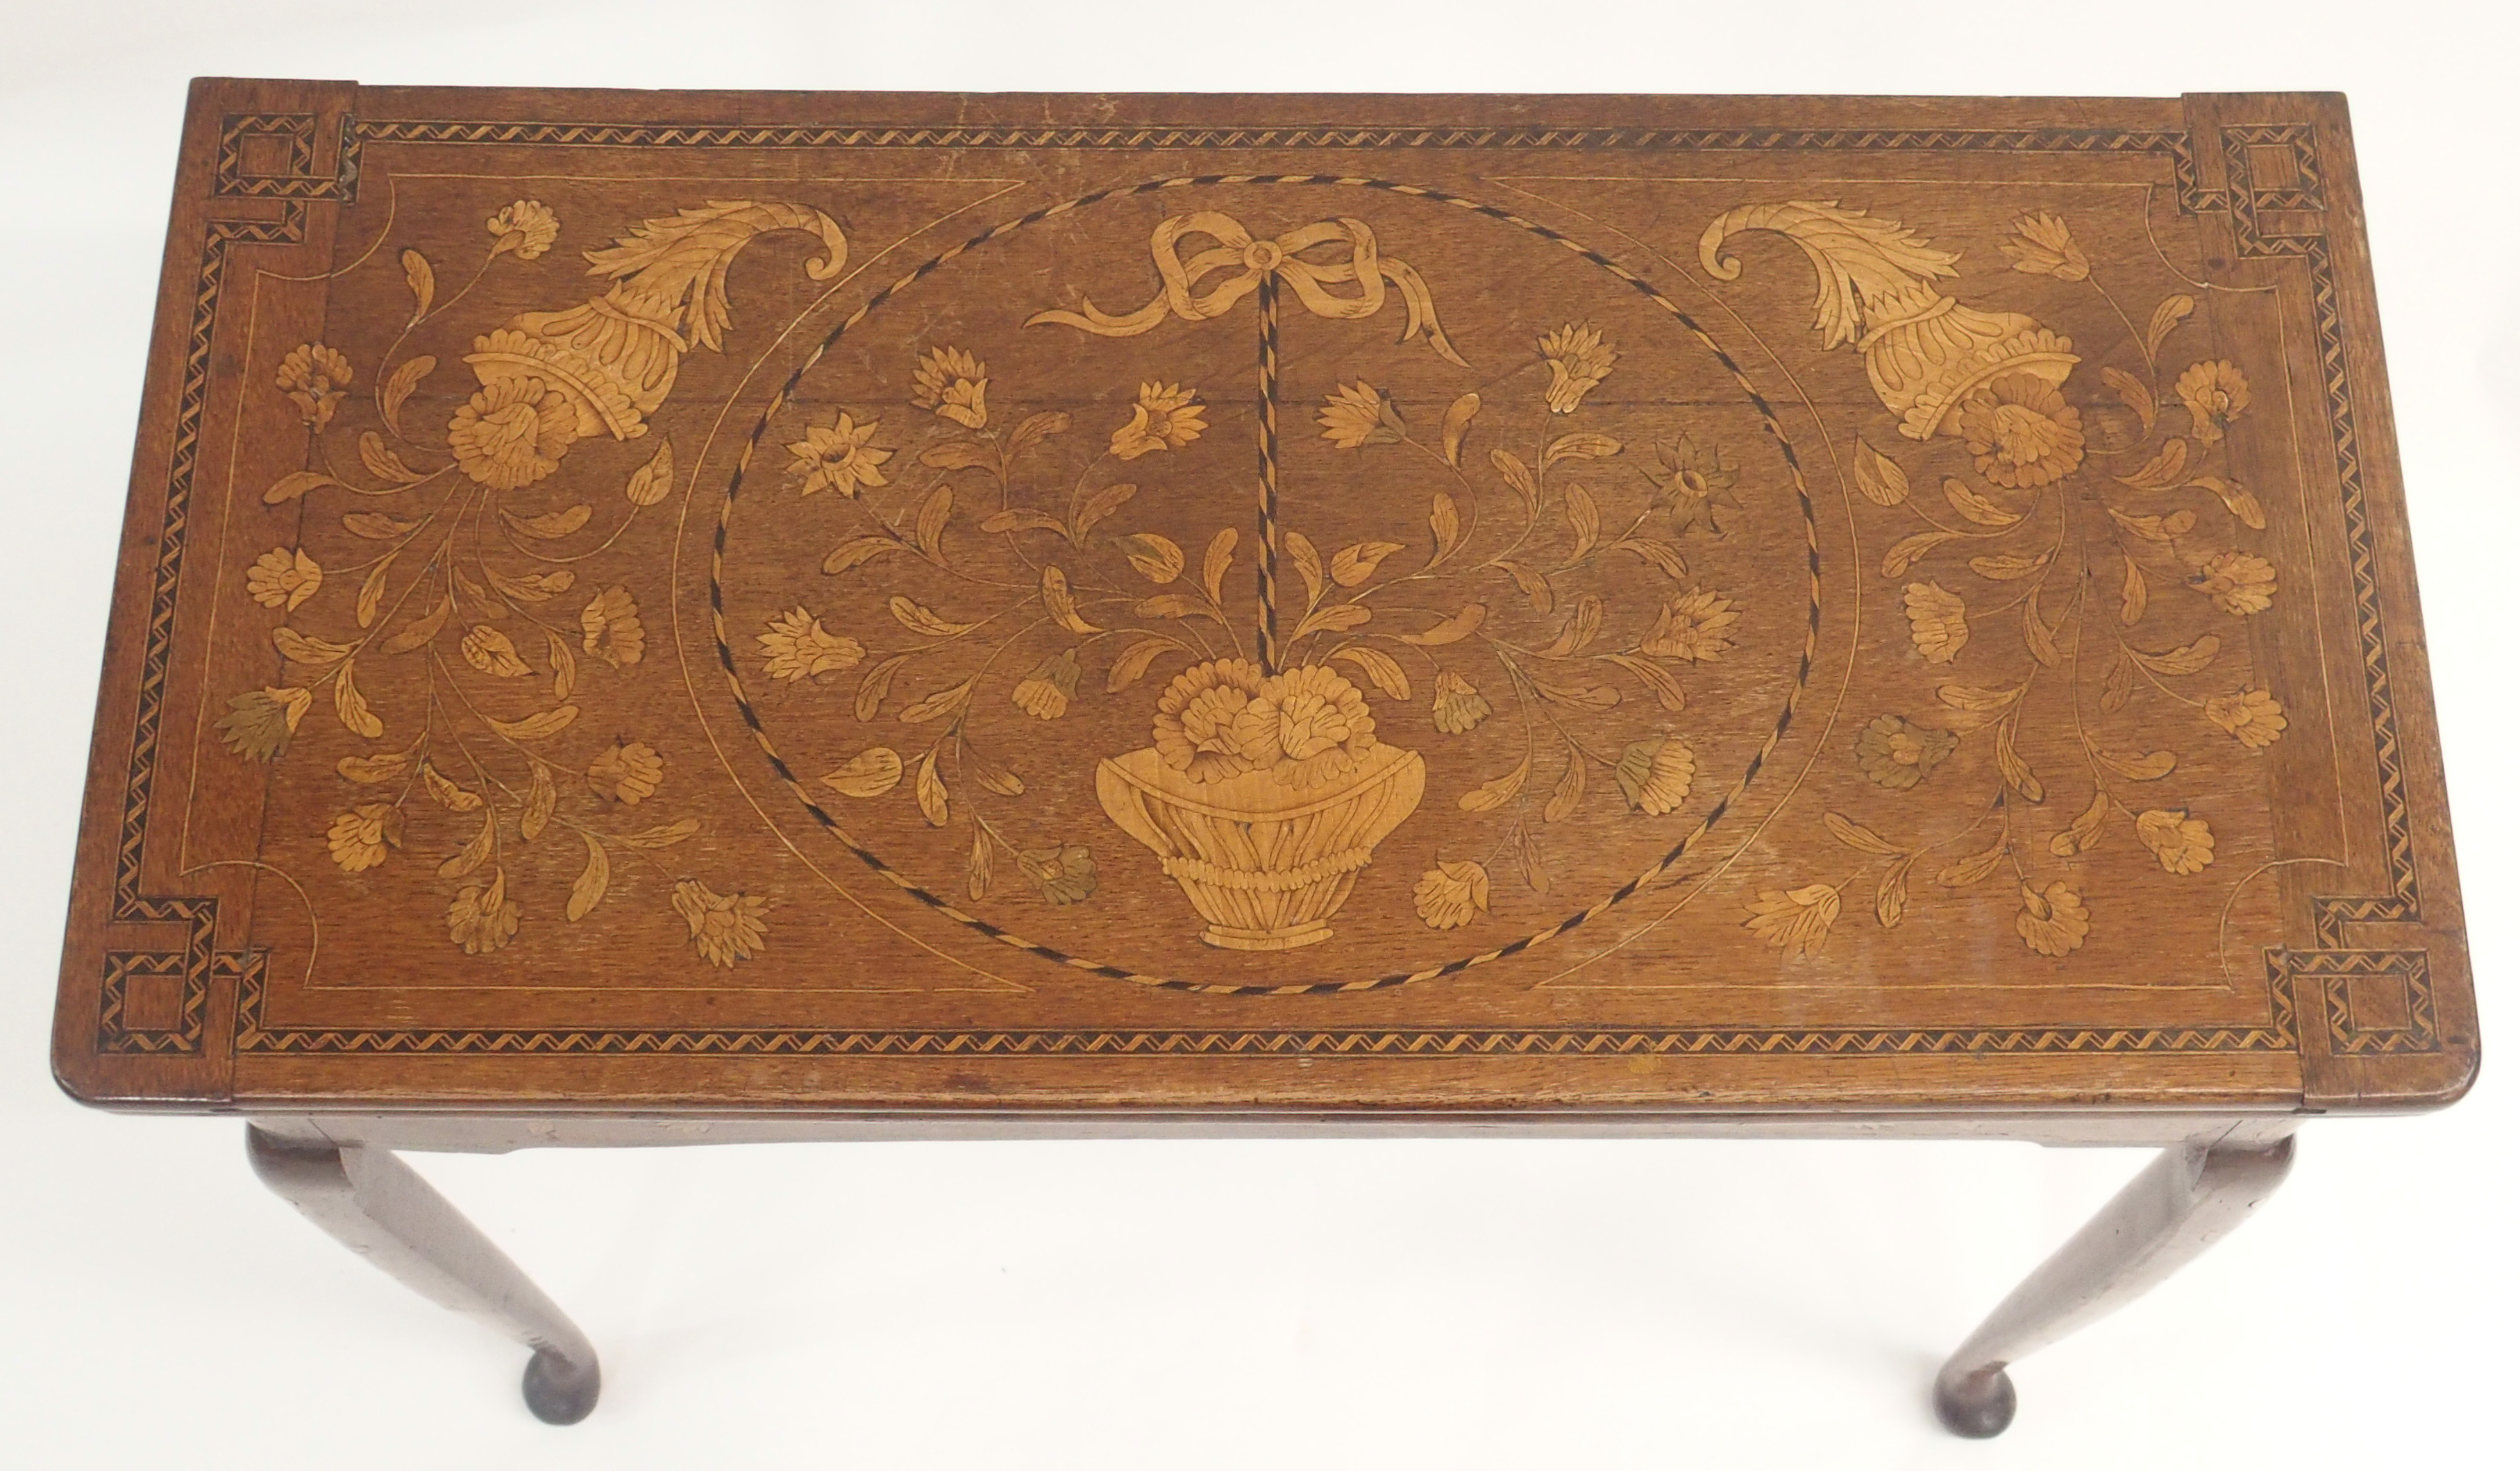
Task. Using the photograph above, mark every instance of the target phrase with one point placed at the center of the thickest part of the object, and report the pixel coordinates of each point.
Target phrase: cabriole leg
(2183, 1202)
(374, 1204)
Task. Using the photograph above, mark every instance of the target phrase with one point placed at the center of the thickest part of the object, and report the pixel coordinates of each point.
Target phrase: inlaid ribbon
(1189, 293)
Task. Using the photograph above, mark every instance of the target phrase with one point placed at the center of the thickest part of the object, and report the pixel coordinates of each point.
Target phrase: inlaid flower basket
(1263, 798)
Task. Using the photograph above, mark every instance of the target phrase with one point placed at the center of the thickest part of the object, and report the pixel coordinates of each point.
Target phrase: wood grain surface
(685, 602)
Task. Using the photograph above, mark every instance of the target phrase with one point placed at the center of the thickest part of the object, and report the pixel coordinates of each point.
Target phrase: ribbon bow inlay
(1256, 259)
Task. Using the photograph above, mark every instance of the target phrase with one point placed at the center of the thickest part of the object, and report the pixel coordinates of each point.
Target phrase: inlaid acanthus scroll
(468, 566)
(614, 358)
(1924, 353)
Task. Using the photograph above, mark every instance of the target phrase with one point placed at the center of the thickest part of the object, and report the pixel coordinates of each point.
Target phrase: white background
(1317, 1305)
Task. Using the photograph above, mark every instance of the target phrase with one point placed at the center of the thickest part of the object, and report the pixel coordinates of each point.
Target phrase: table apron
(494, 1134)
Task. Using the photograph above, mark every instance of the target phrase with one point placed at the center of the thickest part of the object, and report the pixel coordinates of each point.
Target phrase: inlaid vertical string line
(1267, 296)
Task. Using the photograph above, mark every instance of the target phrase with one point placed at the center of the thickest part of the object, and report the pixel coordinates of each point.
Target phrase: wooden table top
(688, 602)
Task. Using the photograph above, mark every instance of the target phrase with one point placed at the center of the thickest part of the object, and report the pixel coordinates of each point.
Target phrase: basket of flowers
(1263, 796)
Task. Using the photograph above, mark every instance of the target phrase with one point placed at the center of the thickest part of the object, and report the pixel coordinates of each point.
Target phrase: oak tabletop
(862, 603)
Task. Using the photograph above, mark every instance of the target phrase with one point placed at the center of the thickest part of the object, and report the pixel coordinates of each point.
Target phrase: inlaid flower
(360, 836)
(724, 927)
(952, 384)
(314, 375)
(1459, 704)
(1045, 693)
(1309, 723)
(611, 627)
(1696, 627)
(2250, 716)
(838, 456)
(2040, 245)
(796, 647)
(1577, 363)
(482, 917)
(1937, 620)
(1898, 753)
(1696, 484)
(1064, 873)
(2185, 844)
(283, 577)
(1452, 895)
(1654, 774)
(1195, 714)
(1167, 417)
(2023, 431)
(1794, 920)
(259, 722)
(2215, 392)
(2052, 920)
(1358, 413)
(627, 771)
(513, 432)
(526, 228)
(2240, 583)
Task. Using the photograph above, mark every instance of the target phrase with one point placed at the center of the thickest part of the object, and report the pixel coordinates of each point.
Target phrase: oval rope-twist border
(778, 764)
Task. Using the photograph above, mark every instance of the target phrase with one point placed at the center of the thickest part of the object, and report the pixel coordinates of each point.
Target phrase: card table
(668, 617)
